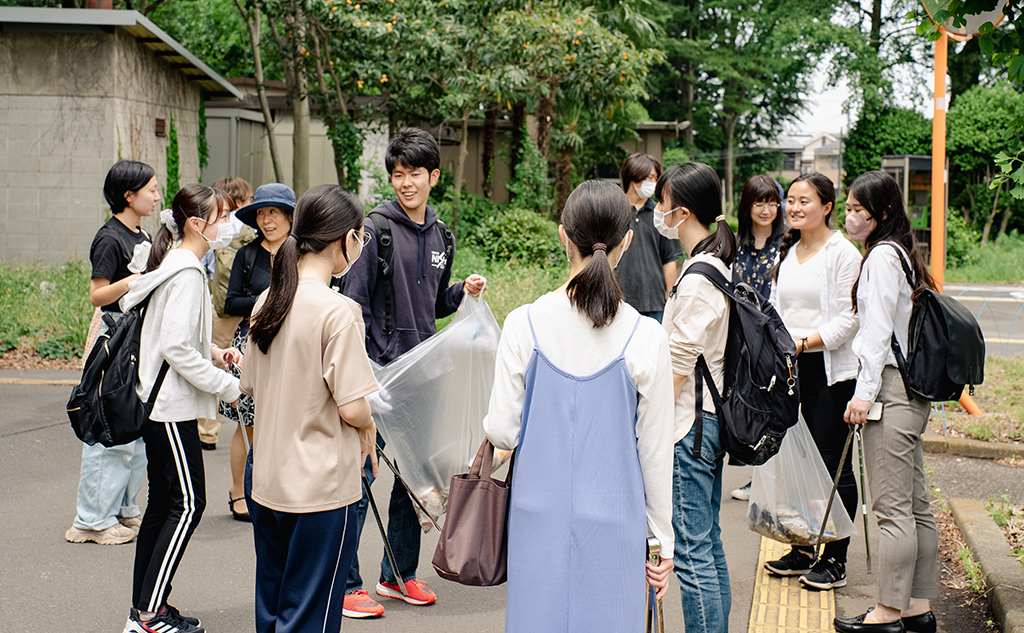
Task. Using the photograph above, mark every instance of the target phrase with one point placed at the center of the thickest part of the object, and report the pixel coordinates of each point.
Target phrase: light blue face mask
(670, 232)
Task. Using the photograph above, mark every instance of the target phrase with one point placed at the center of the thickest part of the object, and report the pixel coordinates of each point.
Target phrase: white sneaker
(742, 494)
(116, 534)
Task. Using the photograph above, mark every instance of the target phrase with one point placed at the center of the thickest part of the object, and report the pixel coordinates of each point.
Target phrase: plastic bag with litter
(789, 494)
(438, 393)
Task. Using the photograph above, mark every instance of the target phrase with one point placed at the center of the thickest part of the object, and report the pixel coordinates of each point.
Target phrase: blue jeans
(403, 532)
(110, 480)
(699, 557)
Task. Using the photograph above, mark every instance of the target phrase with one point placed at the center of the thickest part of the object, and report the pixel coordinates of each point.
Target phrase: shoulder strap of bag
(155, 391)
(248, 264)
(901, 360)
(449, 242)
(385, 247)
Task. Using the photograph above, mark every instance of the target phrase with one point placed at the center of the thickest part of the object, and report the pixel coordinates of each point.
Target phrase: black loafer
(208, 446)
(924, 623)
(857, 625)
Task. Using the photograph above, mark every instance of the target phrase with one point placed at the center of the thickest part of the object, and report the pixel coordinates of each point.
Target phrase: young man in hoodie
(421, 267)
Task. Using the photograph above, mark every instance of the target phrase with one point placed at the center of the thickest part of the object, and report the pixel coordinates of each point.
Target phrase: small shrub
(66, 346)
(962, 240)
(519, 235)
(530, 188)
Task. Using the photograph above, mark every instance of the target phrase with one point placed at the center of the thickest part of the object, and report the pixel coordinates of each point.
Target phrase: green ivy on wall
(173, 165)
(201, 144)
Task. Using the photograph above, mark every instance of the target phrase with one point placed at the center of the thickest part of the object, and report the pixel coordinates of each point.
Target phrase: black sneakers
(168, 620)
(826, 574)
(795, 563)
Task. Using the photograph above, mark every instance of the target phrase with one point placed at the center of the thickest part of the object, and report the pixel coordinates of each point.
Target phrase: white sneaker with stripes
(166, 621)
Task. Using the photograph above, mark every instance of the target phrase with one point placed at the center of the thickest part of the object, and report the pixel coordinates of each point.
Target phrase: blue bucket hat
(273, 195)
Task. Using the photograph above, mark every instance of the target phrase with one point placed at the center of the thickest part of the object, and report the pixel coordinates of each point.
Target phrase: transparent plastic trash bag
(439, 392)
(789, 494)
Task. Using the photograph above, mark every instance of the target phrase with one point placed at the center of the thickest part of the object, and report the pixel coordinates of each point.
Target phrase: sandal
(238, 516)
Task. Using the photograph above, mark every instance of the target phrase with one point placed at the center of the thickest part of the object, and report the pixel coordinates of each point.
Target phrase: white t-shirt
(800, 292)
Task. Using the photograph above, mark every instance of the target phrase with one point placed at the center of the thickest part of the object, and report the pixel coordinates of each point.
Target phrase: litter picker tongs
(655, 615)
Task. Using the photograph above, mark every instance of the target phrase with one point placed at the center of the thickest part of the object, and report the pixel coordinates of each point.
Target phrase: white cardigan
(839, 322)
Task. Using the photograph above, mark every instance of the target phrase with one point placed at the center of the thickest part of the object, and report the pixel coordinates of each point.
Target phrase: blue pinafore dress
(577, 524)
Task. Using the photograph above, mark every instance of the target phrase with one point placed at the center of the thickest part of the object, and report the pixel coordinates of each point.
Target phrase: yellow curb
(782, 605)
(55, 382)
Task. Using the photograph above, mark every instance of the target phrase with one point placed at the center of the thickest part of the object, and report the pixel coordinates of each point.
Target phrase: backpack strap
(385, 247)
(155, 391)
(901, 360)
(449, 242)
(248, 264)
(702, 372)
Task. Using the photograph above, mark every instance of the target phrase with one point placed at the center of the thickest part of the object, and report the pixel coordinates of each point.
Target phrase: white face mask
(670, 232)
(225, 233)
(351, 262)
(646, 189)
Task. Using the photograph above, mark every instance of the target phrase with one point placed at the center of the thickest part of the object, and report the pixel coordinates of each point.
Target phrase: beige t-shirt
(697, 321)
(305, 457)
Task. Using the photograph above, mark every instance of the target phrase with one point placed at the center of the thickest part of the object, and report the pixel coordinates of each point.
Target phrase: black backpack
(104, 407)
(386, 246)
(947, 348)
(762, 394)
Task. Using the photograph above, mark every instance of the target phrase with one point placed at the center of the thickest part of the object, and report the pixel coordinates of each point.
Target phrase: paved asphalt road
(47, 584)
(1000, 312)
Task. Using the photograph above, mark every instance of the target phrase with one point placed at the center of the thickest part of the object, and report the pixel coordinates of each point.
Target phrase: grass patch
(998, 263)
(46, 308)
(975, 577)
(1001, 399)
(1010, 519)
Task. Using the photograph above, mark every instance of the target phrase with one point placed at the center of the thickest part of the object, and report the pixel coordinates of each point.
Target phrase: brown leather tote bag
(473, 548)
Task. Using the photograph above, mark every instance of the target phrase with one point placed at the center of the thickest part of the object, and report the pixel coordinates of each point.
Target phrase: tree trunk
(1002, 225)
(563, 179)
(253, 25)
(728, 131)
(490, 146)
(876, 25)
(518, 133)
(687, 78)
(460, 166)
(295, 81)
(326, 110)
(991, 217)
(545, 118)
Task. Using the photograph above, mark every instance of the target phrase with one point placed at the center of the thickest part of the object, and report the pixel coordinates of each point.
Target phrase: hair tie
(167, 219)
(720, 218)
(600, 246)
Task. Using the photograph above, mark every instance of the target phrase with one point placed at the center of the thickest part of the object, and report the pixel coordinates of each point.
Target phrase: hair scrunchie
(720, 218)
(600, 246)
(167, 219)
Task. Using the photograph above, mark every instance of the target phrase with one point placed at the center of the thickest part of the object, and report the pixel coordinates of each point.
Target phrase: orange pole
(938, 245)
(967, 402)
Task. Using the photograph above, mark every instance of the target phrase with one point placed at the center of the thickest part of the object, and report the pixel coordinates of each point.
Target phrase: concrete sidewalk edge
(1004, 574)
(963, 447)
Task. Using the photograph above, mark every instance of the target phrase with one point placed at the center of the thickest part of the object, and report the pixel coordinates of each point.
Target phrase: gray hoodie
(177, 328)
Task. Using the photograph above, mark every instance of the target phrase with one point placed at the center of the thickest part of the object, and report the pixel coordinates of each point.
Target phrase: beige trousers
(223, 331)
(908, 544)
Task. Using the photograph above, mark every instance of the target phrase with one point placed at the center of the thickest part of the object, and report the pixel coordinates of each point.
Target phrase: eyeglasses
(366, 238)
(771, 206)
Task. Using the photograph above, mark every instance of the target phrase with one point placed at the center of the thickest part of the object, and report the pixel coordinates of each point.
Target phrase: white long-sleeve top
(570, 341)
(884, 304)
(177, 328)
(839, 322)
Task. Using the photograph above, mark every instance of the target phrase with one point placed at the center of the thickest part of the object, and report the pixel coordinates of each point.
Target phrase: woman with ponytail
(176, 358)
(307, 367)
(908, 540)
(583, 392)
(697, 322)
(811, 287)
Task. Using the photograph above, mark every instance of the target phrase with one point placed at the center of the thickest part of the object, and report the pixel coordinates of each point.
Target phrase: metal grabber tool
(832, 495)
(655, 619)
(864, 494)
(398, 475)
(384, 536)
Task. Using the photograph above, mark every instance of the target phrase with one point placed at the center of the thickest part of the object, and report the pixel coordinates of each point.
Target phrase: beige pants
(223, 331)
(909, 543)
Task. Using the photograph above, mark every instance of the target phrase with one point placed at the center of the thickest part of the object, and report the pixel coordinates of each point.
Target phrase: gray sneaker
(116, 534)
(743, 493)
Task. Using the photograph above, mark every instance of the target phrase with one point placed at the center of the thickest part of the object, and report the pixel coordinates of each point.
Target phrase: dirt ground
(957, 608)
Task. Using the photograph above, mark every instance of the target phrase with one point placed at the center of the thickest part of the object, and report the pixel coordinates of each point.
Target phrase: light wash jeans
(699, 558)
(110, 480)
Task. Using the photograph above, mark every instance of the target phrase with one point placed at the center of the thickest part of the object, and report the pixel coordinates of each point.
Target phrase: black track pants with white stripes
(177, 497)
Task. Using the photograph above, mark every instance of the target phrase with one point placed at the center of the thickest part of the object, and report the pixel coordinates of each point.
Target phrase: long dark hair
(193, 201)
(323, 215)
(125, 176)
(826, 193)
(597, 212)
(696, 187)
(880, 195)
(759, 189)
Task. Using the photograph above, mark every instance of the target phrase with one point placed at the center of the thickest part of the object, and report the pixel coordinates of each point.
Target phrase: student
(811, 288)
(421, 268)
(306, 364)
(176, 329)
(583, 391)
(270, 214)
(237, 193)
(106, 510)
(908, 540)
(647, 271)
(697, 322)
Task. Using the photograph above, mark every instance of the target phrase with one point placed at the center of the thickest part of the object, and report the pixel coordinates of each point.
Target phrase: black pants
(177, 497)
(823, 408)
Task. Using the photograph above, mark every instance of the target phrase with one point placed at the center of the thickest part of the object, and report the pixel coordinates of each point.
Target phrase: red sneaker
(419, 594)
(359, 604)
